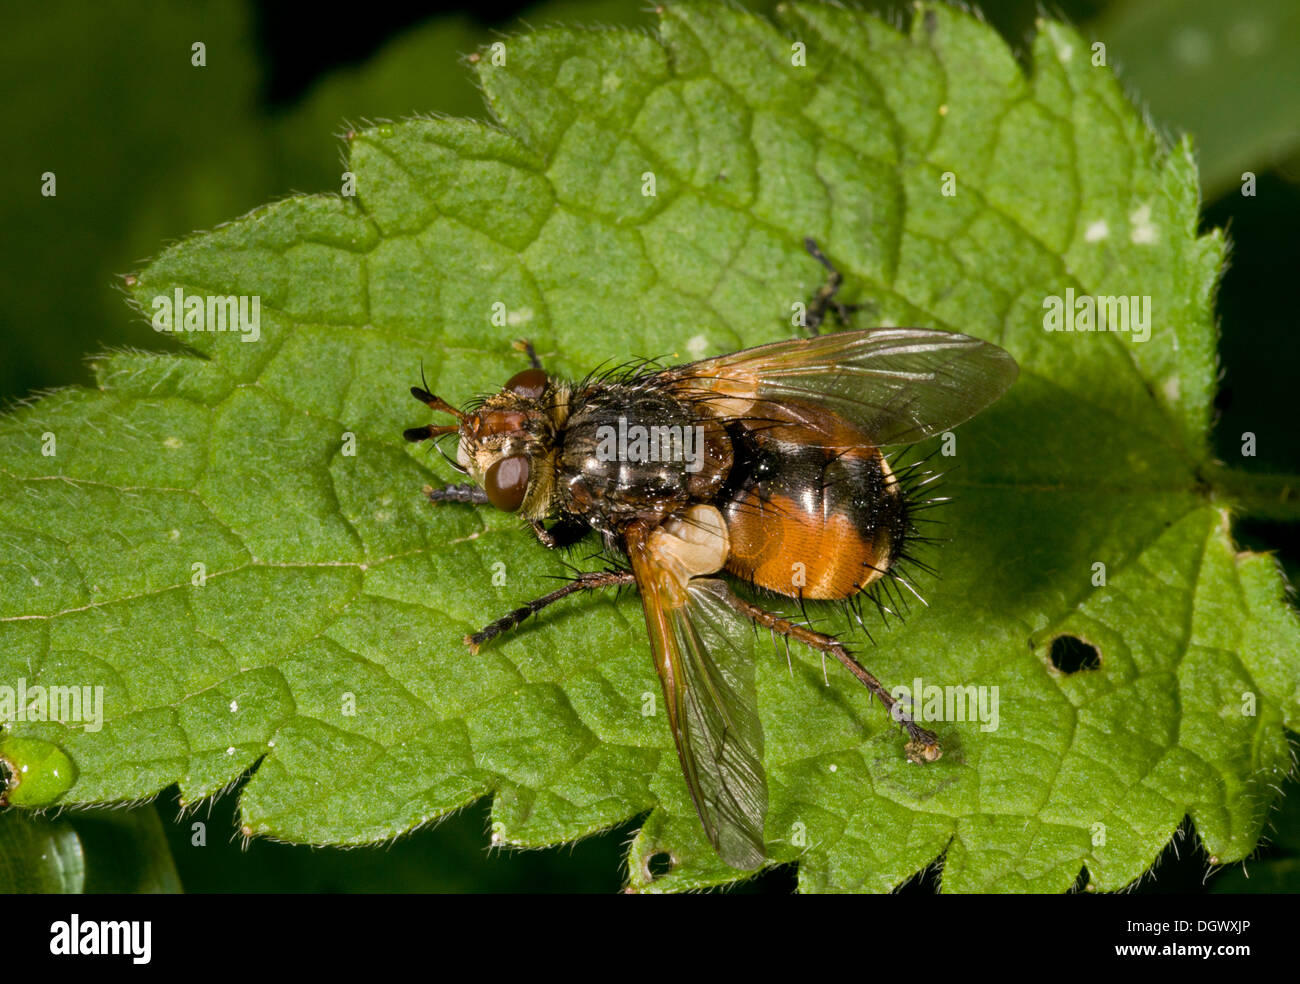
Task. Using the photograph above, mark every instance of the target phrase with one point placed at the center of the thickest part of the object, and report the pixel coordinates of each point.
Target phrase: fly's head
(507, 443)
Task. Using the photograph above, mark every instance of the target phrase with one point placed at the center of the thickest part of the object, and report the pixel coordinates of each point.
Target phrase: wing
(897, 385)
(712, 707)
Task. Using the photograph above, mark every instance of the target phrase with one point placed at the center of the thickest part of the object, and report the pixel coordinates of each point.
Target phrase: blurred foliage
(144, 149)
(147, 149)
(452, 856)
(1227, 72)
(101, 850)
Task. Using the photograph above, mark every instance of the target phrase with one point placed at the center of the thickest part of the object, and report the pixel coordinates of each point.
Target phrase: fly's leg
(924, 745)
(464, 492)
(525, 346)
(564, 533)
(583, 582)
(825, 299)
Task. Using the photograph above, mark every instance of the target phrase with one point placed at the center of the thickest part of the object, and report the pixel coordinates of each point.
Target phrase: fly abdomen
(811, 521)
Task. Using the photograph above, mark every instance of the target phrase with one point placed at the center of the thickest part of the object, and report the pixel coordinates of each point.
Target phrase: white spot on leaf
(1096, 231)
(1144, 233)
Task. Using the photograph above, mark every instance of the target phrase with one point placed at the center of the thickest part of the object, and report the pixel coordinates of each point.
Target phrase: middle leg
(462, 492)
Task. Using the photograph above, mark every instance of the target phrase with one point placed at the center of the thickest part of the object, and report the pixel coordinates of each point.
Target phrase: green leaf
(255, 593)
(35, 772)
(1278, 870)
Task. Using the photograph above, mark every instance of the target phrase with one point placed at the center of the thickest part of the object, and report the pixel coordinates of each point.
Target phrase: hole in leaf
(1082, 882)
(1070, 654)
(659, 864)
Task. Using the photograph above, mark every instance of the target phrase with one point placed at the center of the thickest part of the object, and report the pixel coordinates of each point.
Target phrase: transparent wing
(712, 705)
(897, 385)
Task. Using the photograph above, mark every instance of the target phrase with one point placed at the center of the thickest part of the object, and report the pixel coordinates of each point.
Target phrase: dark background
(147, 151)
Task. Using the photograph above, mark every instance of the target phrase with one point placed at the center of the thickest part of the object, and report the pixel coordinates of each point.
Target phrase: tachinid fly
(765, 464)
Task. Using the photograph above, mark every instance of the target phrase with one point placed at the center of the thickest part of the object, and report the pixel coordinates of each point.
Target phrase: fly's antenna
(417, 434)
(422, 394)
(436, 403)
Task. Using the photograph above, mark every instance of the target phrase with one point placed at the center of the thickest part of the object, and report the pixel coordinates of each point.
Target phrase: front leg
(583, 582)
(564, 533)
(463, 492)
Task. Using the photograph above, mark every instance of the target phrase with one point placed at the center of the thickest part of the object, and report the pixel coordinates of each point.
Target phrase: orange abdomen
(811, 521)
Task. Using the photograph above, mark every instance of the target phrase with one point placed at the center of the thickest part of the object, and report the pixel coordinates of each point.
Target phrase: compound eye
(506, 482)
(531, 383)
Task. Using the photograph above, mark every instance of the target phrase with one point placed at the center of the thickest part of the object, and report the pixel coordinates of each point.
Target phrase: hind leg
(923, 745)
